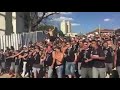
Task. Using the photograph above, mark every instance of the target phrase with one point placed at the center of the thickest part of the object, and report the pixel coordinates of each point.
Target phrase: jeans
(70, 68)
(59, 71)
(118, 69)
(50, 72)
(79, 68)
(96, 72)
(36, 71)
(12, 67)
(24, 69)
(109, 67)
(86, 72)
(2, 66)
(16, 69)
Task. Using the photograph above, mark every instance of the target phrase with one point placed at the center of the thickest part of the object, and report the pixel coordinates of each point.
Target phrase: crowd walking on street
(63, 57)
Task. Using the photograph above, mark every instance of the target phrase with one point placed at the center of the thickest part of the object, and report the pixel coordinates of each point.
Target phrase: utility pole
(99, 29)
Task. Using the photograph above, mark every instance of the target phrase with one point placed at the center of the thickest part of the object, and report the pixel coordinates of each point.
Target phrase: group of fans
(62, 57)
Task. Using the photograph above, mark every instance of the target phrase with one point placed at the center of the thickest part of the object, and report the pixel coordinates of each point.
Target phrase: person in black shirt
(30, 62)
(98, 60)
(108, 51)
(24, 58)
(36, 63)
(12, 61)
(86, 65)
(71, 58)
(117, 58)
(78, 58)
(48, 63)
(17, 63)
(2, 61)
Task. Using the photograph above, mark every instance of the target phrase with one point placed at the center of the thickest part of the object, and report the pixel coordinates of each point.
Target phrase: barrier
(20, 39)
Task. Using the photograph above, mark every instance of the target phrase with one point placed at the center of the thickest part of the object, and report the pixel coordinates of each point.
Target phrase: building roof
(102, 31)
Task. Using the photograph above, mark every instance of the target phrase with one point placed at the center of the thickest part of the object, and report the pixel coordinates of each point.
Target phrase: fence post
(4, 43)
(1, 37)
(6, 40)
(9, 44)
(12, 42)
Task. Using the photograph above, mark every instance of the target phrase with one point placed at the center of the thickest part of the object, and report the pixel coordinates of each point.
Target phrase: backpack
(114, 74)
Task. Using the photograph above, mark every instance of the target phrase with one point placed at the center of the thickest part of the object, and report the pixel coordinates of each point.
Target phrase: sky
(88, 21)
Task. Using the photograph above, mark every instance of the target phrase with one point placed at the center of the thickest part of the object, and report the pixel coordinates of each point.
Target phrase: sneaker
(12, 76)
(26, 75)
(22, 75)
(10, 73)
(1, 74)
(108, 76)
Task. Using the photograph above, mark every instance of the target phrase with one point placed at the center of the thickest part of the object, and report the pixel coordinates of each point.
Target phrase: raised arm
(101, 56)
(53, 55)
(53, 28)
(75, 60)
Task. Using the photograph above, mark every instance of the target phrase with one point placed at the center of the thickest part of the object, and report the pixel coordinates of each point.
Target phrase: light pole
(99, 29)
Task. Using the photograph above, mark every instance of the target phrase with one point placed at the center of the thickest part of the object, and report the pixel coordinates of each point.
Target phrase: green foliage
(45, 27)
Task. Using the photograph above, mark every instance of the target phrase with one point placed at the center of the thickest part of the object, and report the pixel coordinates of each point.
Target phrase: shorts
(36, 70)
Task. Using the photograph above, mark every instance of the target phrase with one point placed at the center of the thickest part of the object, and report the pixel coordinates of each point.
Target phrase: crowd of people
(63, 57)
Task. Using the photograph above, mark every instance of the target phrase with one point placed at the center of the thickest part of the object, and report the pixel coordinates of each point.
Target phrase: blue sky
(88, 21)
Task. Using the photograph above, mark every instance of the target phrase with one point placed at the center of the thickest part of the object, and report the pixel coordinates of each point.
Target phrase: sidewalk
(6, 76)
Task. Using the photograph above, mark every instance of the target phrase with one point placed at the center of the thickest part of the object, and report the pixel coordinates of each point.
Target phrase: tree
(36, 18)
(46, 27)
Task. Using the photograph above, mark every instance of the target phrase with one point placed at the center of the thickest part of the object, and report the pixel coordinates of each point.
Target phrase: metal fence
(18, 40)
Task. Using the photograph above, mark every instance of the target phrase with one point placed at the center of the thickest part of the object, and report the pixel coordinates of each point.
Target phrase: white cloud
(75, 24)
(63, 18)
(65, 13)
(107, 19)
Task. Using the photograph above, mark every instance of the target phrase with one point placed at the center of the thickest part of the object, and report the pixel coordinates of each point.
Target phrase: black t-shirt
(17, 61)
(30, 60)
(84, 55)
(108, 54)
(49, 59)
(2, 58)
(12, 59)
(76, 46)
(98, 63)
(37, 58)
(118, 57)
(70, 55)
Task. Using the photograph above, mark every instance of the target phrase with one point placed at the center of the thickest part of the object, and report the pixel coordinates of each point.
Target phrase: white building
(2, 23)
(71, 34)
(14, 22)
(69, 26)
(63, 27)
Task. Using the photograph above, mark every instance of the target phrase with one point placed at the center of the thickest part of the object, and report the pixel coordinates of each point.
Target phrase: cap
(24, 46)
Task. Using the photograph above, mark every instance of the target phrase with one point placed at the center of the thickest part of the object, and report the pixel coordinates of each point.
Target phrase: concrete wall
(8, 23)
(14, 21)
(2, 23)
(19, 22)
